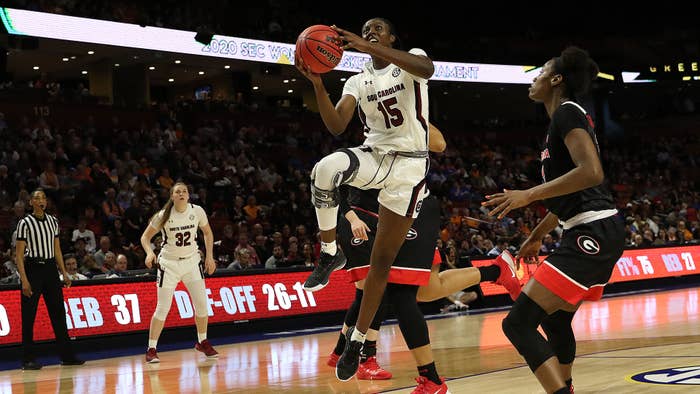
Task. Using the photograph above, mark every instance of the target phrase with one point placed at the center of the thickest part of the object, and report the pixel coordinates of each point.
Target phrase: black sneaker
(349, 361)
(31, 365)
(326, 265)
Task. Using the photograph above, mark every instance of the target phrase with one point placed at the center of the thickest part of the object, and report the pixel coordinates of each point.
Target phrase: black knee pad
(411, 320)
(520, 326)
(560, 335)
(354, 309)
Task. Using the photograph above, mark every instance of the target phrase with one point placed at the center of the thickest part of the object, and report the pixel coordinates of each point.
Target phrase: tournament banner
(635, 264)
(101, 309)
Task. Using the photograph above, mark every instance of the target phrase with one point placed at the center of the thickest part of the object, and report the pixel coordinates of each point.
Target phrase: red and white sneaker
(508, 277)
(152, 356)
(333, 359)
(426, 386)
(206, 348)
(370, 370)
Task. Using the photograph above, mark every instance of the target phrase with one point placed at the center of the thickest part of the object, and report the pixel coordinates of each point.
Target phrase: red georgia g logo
(588, 244)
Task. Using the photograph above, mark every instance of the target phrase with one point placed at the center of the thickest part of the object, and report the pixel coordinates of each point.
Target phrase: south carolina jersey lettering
(556, 161)
(180, 232)
(393, 107)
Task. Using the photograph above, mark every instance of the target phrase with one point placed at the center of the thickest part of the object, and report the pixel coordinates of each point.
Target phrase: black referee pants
(44, 280)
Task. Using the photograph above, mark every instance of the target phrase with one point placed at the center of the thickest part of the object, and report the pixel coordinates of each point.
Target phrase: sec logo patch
(676, 376)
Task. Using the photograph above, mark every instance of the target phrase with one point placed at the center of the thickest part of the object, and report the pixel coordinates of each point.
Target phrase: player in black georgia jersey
(593, 238)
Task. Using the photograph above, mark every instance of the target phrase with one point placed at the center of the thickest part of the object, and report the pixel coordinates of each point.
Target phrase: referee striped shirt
(39, 235)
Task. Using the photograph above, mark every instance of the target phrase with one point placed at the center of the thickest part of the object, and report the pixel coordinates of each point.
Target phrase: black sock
(569, 383)
(429, 371)
(340, 345)
(369, 349)
(563, 390)
(489, 273)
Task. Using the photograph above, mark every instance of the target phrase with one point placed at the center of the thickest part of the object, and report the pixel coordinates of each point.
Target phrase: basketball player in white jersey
(390, 95)
(179, 260)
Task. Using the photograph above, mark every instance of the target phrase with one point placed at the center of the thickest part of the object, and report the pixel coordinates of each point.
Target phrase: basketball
(317, 47)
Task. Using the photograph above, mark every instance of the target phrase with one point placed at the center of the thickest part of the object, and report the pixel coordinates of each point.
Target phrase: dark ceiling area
(529, 34)
(619, 35)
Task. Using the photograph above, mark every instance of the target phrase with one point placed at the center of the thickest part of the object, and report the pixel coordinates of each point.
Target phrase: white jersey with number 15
(393, 107)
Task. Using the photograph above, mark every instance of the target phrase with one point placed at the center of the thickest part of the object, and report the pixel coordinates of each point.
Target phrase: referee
(38, 254)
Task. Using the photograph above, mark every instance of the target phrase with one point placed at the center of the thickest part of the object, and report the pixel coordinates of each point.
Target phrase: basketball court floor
(636, 343)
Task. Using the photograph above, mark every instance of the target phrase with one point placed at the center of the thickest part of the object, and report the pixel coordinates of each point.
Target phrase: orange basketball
(317, 47)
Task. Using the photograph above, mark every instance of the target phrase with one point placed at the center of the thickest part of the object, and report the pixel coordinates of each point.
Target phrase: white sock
(358, 336)
(331, 248)
(201, 336)
(327, 218)
(152, 343)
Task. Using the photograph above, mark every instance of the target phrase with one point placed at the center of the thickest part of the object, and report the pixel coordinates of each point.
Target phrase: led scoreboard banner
(108, 308)
(635, 264)
(101, 309)
(72, 28)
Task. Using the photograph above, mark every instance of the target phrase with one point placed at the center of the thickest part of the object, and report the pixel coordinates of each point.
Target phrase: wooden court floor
(618, 337)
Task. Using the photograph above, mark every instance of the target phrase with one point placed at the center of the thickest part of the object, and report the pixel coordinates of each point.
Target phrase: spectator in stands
(93, 223)
(695, 229)
(488, 244)
(48, 180)
(9, 273)
(277, 259)
(110, 207)
(302, 234)
(226, 247)
(661, 238)
(101, 254)
(120, 268)
(684, 234)
(18, 212)
(307, 254)
(72, 268)
(293, 256)
(194, 174)
(251, 209)
(260, 247)
(243, 261)
(164, 180)
(89, 266)
(109, 262)
(201, 198)
(477, 248)
(501, 245)
(637, 241)
(243, 244)
(117, 237)
(450, 260)
(235, 212)
(672, 236)
(79, 249)
(134, 220)
(648, 238)
(548, 244)
(84, 233)
(277, 239)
